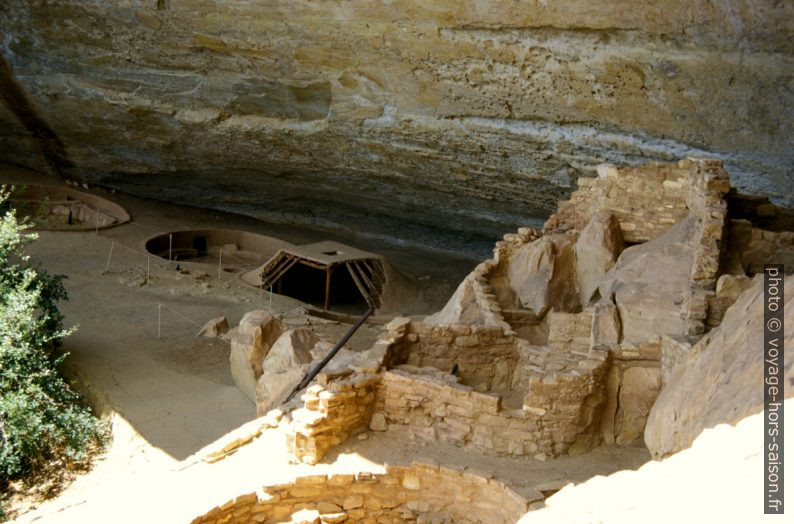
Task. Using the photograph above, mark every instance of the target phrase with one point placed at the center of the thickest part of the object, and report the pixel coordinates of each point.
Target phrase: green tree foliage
(40, 416)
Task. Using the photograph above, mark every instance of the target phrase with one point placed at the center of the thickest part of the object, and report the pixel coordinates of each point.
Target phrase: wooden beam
(278, 271)
(360, 286)
(327, 287)
(364, 277)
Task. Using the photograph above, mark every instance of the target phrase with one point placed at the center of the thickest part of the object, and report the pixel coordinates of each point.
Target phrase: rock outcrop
(284, 367)
(597, 250)
(713, 481)
(251, 341)
(720, 381)
(650, 281)
(286, 109)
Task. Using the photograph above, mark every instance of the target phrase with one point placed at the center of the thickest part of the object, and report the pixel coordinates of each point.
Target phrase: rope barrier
(160, 307)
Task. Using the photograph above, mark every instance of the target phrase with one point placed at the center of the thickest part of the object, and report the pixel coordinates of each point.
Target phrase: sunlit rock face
(443, 122)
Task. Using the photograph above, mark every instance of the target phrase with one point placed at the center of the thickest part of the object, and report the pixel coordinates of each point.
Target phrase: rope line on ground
(183, 317)
(198, 324)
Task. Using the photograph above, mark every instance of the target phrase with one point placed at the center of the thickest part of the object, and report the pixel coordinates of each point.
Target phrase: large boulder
(720, 381)
(650, 282)
(542, 275)
(272, 389)
(463, 307)
(293, 348)
(251, 341)
(597, 250)
(284, 367)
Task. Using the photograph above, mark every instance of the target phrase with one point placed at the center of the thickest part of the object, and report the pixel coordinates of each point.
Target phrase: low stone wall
(633, 195)
(570, 331)
(332, 411)
(560, 410)
(416, 493)
(88, 211)
(486, 356)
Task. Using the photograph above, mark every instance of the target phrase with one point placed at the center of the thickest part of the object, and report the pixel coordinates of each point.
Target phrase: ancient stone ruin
(593, 330)
(420, 261)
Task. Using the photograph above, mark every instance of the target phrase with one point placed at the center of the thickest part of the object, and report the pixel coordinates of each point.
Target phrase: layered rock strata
(358, 115)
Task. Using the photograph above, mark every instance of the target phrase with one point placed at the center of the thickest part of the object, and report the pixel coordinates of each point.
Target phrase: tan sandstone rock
(542, 275)
(606, 326)
(597, 249)
(650, 283)
(486, 111)
(214, 328)
(721, 380)
(250, 344)
(284, 367)
(731, 286)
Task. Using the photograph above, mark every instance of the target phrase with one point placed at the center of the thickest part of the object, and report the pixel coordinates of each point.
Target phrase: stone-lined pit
(416, 493)
(53, 208)
(236, 249)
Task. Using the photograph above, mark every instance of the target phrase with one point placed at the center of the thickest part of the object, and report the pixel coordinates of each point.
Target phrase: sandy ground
(170, 396)
(719, 479)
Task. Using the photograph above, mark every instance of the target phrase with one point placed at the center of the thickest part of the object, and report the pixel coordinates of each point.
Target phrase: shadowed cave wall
(437, 122)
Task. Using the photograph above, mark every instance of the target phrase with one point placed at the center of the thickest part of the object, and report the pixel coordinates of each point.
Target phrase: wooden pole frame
(327, 287)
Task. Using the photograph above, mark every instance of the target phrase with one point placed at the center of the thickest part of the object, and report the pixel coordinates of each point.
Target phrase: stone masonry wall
(752, 247)
(560, 410)
(332, 411)
(485, 356)
(633, 195)
(570, 330)
(417, 493)
(565, 394)
(709, 184)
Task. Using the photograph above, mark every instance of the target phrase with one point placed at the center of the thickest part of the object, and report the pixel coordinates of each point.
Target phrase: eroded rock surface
(720, 380)
(284, 109)
(251, 341)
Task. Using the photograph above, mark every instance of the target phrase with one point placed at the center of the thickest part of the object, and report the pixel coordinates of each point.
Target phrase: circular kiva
(236, 250)
(420, 492)
(54, 208)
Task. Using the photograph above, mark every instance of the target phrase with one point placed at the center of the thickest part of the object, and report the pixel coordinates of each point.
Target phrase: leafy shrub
(41, 418)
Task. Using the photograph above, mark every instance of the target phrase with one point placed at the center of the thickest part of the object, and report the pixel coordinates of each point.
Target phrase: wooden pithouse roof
(366, 269)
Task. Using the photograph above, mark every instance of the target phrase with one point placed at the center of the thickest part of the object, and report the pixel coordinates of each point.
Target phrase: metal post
(110, 254)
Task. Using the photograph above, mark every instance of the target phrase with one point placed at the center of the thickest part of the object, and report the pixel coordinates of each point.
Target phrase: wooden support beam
(364, 277)
(278, 271)
(327, 287)
(360, 286)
